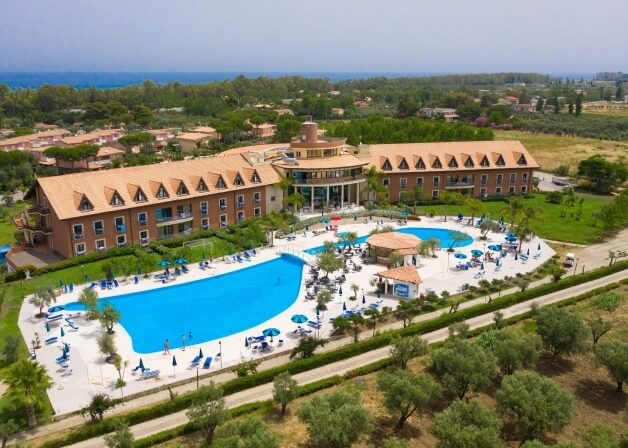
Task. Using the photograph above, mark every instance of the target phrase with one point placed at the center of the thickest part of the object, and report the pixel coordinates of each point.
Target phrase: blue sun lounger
(71, 324)
(54, 317)
(184, 268)
(93, 285)
(254, 252)
(51, 340)
(314, 324)
(147, 374)
(195, 361)
(115, 283)
(208, 362)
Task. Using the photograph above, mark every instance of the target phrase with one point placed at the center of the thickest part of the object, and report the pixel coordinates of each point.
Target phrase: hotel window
(205, 223)
(240, 201)
(85, 205)
(204, 208)
(255, 178)
(257, 212)
(100, 245)
(484, 162)
(223, 221)
(202, 186)
(221, 183)
(498, 191)
(499, 179)
(142, 219)
(182, 190)
(80, 249)
(436, 181)
(468, 163)
(386, 182)
(116, 199)
(453, 163)
(437, 164)
(483, 179)
(161, 192)
(420, 165)
(524, 189)
(482, 192)
(419, 182)
(524, 178)
(119, 222)
(403, 183)
(238, 180)
(522, 160)
(403, 165)
(513, 178)
(500, 161)
(511, 189)
(435, 194)
(144, 237)
(222, 204)
(240, 217)
(121, 240)
(77, 231)
(99, 228)
(272, 199)
(387, 166)
(257, 197)
(139, 196)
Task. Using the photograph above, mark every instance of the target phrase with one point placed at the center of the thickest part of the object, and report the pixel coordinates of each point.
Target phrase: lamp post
(484, 252)
(83, 270)
(220, 348)
(575, 266)
(196, 376)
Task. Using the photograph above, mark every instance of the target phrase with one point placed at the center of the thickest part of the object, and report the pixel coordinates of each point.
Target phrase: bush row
(345, 352)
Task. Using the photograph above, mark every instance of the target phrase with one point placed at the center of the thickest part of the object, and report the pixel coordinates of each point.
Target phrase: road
(264, 391)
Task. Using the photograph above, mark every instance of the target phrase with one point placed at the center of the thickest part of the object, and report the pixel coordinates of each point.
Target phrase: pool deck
(91, 375)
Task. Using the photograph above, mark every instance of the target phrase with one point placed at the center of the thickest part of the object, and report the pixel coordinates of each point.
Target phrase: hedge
(322, 359)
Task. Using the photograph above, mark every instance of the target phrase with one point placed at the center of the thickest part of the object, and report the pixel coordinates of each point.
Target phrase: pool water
(423, 233)
(211, 308)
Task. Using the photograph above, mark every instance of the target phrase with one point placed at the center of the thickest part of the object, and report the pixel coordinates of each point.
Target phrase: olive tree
(562, 332)
(613, 355)
(599, 327)
(109, 317)
(7, 429)
(515, 350)
(45, 296)
(89, 298)
(285, 389)
(406, 311)
(533, 405)
(121, 437)
(208, 410)
(246, 432)
(403, 349)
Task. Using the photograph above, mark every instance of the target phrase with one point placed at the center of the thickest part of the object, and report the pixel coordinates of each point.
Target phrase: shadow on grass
(601, 395)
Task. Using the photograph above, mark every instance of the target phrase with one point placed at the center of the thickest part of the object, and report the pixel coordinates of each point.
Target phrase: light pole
(220, 351)
(575, 266)
(83, 270)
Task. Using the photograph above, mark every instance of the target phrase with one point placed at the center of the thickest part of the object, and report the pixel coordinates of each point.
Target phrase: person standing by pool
(183, 342)
(190, 335)
(166, 347)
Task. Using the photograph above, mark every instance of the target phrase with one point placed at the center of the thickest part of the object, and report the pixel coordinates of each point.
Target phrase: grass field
(550, 151)
(552, 225)
(7, 229)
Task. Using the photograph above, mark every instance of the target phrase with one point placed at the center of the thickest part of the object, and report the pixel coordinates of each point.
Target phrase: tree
(373, 188)
(44, 297)
(395, 259)
(142, 115)
(613, 354)
(288, 126)
(488, 225)
(456, 238)
(97, 407)
(323, 298)
(578, 104)
(475, 207)
(467, 424)
(599, 327)
(406, 311)
(335, 420)
(285, 389)
(246, 432)
(461, 365)
(513, 208)
(608, 301)
(562, 332)
(450, 198)
(295, 200)
(403, 349)
(89, 298)
(329, 262)
(10, 349)
(598, 436)
(27, 382)
(208, 409)
(458, 330)
(406, 393)
(515, 351)
(284, 183)
(306, 347)
(534, 405)
(537, 444)
(122, 437)
(602, 174)
(355, 288)
(570, 106)
(109, 317)
(498, 318)
(7, 429)
(351, 324)
(107, 347)
(74, 153)
(372, 314)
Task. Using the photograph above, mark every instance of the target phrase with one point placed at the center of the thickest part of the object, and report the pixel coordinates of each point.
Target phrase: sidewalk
(265, 391)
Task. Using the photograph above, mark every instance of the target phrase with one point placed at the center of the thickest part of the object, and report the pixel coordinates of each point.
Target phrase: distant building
(444, 113)
(4, 132)
(36, 140)
(208, 130)
(338, 111)
(508, 100)
(283, 111)
(106, 155)
(42, 158)
(189, 141)
(97, 137)
(165, 110)
(264, 130)
(44, 126)
(162, 136)
(528, 108)
(334, 92)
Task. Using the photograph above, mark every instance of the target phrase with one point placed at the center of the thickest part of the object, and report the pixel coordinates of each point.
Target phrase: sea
(109, 80)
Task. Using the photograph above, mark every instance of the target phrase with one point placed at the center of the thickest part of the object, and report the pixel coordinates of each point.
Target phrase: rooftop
(406, 274)
(393, 241)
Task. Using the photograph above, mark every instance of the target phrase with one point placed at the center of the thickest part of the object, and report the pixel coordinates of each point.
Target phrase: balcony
(38, 208)
(204, 212)
(120, 228)
(172, 235)
(43, 228)
(78, 236)
(179, 217)
(240, 205)
(327, 180)
(459, 184)
(143, 223)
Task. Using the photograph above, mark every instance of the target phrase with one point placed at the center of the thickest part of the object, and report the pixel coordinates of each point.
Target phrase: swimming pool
(211, 308)
(424, 233)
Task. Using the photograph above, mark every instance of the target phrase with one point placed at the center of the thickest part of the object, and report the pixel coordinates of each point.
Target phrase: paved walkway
(265, 391)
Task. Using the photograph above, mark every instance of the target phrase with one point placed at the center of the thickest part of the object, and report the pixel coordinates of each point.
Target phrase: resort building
(106, 156)
(162, 136)
(97, 137)
(86, 212)
(190, 141)
(37, 140)
(443, 113)
(264, 130)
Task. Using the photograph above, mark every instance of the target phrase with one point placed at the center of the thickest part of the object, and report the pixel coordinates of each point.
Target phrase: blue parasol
(497, 262)
(528, 253)
(141, 365)
(47, 327)
(344, 306)
(318, 312)
(62, 332)
(482, 266)
(476, 252)
(516, 256)
(460, 216)
(538, 247)
(200, 353)
(495, 247)
(363, 298)
(163, 263)
(511, 234)
(246, 342)
(66, 347)
(510, 239)
(180, 261)
(340, 291)
(271, 332)
(501, 220)
(460, 255)
(61, 284)
(299, 318)
(174, 365)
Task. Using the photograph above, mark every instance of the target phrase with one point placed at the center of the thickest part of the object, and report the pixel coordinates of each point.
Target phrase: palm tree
(44, 297)
(284, 183)
(529, 214)
(475, 207)
(450, 198)
(513, 208)
(295, 200)
(373, 185)
(27, 382)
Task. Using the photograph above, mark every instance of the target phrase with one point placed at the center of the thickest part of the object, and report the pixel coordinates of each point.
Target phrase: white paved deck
(92, 375)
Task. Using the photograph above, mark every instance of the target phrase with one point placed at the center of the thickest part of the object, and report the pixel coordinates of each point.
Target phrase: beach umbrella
(528, 253)
(85, 278)
(379, 293)
(476, 252)
(174, 365)
(363, 298)
(538, 247)
(344, 306)
(66, 347)
(271, 332)
(200, 353)
(516, 256)
(163, 263)
(340, 291)
(180, 261)
(460, 255)
(460, 216)
(501, 220)
(336, 218)
(497, 262)
(482, 266)
(141, 365)
(246, 342)
(62, 332)
(510, 239)
(47, 327)
(318, 313)
(299, 318)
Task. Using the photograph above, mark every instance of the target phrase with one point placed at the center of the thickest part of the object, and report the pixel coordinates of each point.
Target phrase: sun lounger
(103, 284)
(136, 280)
(51, 340)
(479, 274)
(537, 256)
(115, 283)
(523, 257)
(266, 347)
(304, 331)
(208, 362)
(71, 323)
(135, 369)
(62, 365)
(246, 254)
(67, 371)
(313, 324)
(254, 252)
(93, 285)
(54, 317)
(185, 269)
(280, 343)
(150, 374)
(62, 358)
(195, 361)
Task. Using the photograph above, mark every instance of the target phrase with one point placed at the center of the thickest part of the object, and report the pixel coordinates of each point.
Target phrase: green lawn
(558, 221)
(7, 229)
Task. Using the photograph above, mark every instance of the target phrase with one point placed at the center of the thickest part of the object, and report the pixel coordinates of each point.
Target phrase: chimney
(309, 132)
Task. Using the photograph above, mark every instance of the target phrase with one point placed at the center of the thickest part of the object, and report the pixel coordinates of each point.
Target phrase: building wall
(491, 184)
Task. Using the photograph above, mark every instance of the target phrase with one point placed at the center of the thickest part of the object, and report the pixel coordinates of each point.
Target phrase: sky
(427, 36)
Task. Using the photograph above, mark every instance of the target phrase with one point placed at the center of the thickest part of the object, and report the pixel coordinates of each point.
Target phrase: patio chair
(208, 362)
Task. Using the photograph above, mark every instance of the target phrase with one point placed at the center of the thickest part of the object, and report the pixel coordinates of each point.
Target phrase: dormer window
(522, 160)
(182, 190)
(140, 196)
(500, 161)
(161, 192)
(85, 205)
(238, 180)
(453, 163)
(202, 186)
(403, 165)
(221, 183)
(116, 199)
(485, 162)
(255, 178)
(437, 164)
(468, 163)
(420, 165)
(387, 166)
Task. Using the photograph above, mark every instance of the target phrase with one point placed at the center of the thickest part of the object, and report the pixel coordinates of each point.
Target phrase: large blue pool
(424, 233)
(210, 308)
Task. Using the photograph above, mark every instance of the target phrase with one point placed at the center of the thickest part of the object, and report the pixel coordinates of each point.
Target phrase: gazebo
(404, 280)
(381, 245)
